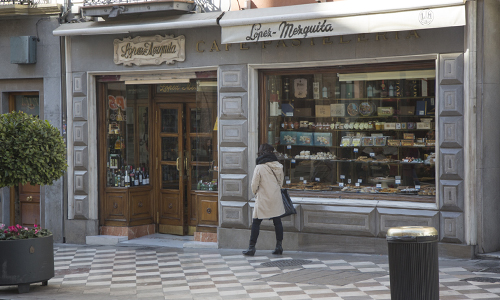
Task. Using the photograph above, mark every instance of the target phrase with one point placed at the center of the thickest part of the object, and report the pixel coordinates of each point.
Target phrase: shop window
(127, 147)
(354, 132)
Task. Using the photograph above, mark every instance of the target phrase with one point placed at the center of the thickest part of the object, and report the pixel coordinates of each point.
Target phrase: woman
(266, 184)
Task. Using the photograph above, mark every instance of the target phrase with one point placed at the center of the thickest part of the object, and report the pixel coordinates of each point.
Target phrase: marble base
(205, 237)
(130, 232)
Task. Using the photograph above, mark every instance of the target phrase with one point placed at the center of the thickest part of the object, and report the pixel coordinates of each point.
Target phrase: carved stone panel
(451, 165)
(233, 105)
(405, 217)
(452, 227)
(234, 214)
(81, 207)
(80, 108)
(290, 223)
(80, 133)
(233, 133)
(451, 68)
(81, 182)
(79, 84)
(233, 187)
(451, 100)
(80, 157)
(451, 132)
(359, 221)
(233, 78)
(451, 195)
(233, 160)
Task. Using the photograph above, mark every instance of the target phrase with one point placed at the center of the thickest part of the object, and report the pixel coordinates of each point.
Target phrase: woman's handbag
(287, 202)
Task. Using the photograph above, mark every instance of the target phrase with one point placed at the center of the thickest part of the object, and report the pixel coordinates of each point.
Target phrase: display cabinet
(128, 195)
(354, 134)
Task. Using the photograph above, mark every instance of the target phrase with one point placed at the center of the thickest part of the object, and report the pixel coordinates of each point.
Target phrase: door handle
(177, 163)
(186, 163)
(29, 198)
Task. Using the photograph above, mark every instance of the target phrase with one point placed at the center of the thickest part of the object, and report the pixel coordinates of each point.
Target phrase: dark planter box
(26, 261)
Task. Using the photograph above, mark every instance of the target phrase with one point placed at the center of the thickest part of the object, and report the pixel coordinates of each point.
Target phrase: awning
(339, 18)
(148, 24)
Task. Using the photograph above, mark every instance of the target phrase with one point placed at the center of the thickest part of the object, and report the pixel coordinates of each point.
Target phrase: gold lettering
(362, 38)
(265, 43)
(227, 46)
(326, 41)
(198, 46)
(214, 47)
(312, 42)
(281, 42)
(412, 33)
(243, 46)
(378, 35)
(296, 43)
(342, 40)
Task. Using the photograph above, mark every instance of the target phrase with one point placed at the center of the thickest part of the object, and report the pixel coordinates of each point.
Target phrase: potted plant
(32, 151)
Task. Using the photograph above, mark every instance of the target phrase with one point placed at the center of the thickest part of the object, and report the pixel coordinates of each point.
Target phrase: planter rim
(28, 238)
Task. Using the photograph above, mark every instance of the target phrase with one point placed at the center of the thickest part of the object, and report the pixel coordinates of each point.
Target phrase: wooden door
(25, 211)
(170, 169)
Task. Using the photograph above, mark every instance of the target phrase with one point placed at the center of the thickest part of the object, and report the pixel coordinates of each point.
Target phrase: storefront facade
(393, 113)
(30, 81)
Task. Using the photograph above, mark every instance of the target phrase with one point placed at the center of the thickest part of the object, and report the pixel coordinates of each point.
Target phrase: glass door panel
(169, 148)
(169, 177)
(169, 120)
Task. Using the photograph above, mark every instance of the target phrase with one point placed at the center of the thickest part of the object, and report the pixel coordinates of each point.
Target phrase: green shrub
(31, 150)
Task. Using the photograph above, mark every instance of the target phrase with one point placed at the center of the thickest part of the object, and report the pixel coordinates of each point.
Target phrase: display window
(354, 131)
(127, 148)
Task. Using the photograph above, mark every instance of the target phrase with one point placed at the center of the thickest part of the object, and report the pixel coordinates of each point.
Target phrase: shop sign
(152, 50)
(176, 88)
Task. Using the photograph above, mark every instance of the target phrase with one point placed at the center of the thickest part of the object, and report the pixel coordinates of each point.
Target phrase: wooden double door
(185, 152)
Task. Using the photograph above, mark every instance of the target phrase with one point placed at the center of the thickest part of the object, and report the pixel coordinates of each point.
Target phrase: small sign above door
(152, 50)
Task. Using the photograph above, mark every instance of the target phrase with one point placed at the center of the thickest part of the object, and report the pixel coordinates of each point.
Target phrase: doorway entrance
(25, 211)
(186, 155)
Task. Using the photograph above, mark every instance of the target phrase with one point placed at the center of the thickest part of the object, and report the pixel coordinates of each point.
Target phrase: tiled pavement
(132, 272)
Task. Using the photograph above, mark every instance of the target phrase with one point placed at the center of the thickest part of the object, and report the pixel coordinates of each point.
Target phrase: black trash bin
(413, 263)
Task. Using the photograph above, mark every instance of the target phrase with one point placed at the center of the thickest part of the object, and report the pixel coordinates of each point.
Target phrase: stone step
(105, 240)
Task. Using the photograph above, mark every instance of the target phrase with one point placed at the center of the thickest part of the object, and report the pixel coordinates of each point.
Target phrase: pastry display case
(352, 133)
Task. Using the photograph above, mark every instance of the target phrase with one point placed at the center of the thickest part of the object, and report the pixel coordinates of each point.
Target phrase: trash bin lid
(412, 233)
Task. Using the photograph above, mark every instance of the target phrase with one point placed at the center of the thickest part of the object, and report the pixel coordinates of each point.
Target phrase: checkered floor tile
(164, 273)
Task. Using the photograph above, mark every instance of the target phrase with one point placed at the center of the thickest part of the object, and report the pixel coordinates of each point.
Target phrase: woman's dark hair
(265, 149)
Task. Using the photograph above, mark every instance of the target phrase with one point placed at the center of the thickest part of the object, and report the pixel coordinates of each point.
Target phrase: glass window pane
(201, 120)
(201, 149)
(169, 177)
(169, 120)
(343, 131)
(203, 178)
(169, 148)
(29, 104)
(126, 111)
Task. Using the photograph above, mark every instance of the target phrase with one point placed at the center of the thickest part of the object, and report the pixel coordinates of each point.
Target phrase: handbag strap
(275, 176)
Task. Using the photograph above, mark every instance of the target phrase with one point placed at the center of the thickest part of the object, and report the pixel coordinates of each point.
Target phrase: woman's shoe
(250, 251)
(279, 248)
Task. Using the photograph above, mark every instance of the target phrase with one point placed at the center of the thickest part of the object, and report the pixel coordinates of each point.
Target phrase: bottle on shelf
(141, 177)
(391, 90)
(286, 88)
(127, 179)
(273, 89)
(136, 177)
(383, 89)
(132, 176)
(369, 91)
(324, 92)
(118, 143)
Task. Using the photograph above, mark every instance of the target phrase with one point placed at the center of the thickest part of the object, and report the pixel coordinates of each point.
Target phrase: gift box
(322, 110)
(424, 125)
(288, 138)
(302, 112)
(385, 111)
(337, 110)
(323, 139)
(304, 138)
(287, 110)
